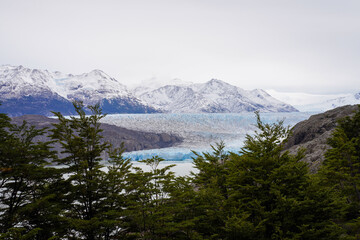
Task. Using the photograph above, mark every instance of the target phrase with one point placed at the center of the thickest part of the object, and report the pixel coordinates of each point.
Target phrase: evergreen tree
(25, 182)
(88, 212)
(182, 209)
(212, 169)
(271, 195)
(115, 186)
(208, 200)
(149, 212)
(341, 169)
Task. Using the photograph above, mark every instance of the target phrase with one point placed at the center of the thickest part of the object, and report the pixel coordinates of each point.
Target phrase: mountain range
(214, 96)
(34, 91)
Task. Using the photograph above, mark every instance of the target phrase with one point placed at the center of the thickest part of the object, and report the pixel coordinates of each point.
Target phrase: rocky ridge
(312, 134)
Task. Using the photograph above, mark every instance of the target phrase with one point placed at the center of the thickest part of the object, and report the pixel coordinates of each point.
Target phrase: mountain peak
(216, 81)
(96, 73)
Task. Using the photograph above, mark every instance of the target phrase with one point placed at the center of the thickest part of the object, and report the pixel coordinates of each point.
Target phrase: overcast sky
(288, 45)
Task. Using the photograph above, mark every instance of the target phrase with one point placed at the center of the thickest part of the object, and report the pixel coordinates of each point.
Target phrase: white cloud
(309, 46)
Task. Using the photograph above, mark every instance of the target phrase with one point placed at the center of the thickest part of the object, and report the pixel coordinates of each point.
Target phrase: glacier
(199, 131)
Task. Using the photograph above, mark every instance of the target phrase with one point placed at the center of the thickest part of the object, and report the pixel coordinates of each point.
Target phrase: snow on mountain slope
(212, 96)
(96, 86)
(155, 83)
(172, 98)
(17, 82)
(45, 88)
(300, 99)
(348, 99)
(91, 87)
(272, 104)
(27, 91)
(315, 102)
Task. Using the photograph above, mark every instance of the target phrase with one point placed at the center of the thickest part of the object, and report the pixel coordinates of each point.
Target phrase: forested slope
(262, 192)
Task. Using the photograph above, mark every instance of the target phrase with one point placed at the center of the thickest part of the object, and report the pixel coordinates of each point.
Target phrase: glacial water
(198, 130)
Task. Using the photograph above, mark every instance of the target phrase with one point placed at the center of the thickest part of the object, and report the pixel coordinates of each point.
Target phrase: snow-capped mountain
(214, 96)
(33, 91)
(89, 87)
(24, 91)
(19, 81)
(306, 102)
(27, 91)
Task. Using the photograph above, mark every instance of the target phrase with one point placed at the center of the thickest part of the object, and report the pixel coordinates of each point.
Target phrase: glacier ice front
(198, 130)
(169, 154)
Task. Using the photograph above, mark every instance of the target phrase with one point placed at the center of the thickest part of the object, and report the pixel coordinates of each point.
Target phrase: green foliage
(94, 198)
(262, 192)
(340, 171)
(115, 186)
(18, 233)
(25, 181)
(342, 163)
(211, 192)
(271, 195)
(211, 167)
(149, 213)
(266, 143)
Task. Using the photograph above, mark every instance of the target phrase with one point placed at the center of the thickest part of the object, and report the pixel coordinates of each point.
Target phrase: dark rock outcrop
(133, 140)
(312, 134)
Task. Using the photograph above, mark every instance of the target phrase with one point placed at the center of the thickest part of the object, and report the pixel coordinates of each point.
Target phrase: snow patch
(316, 102)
